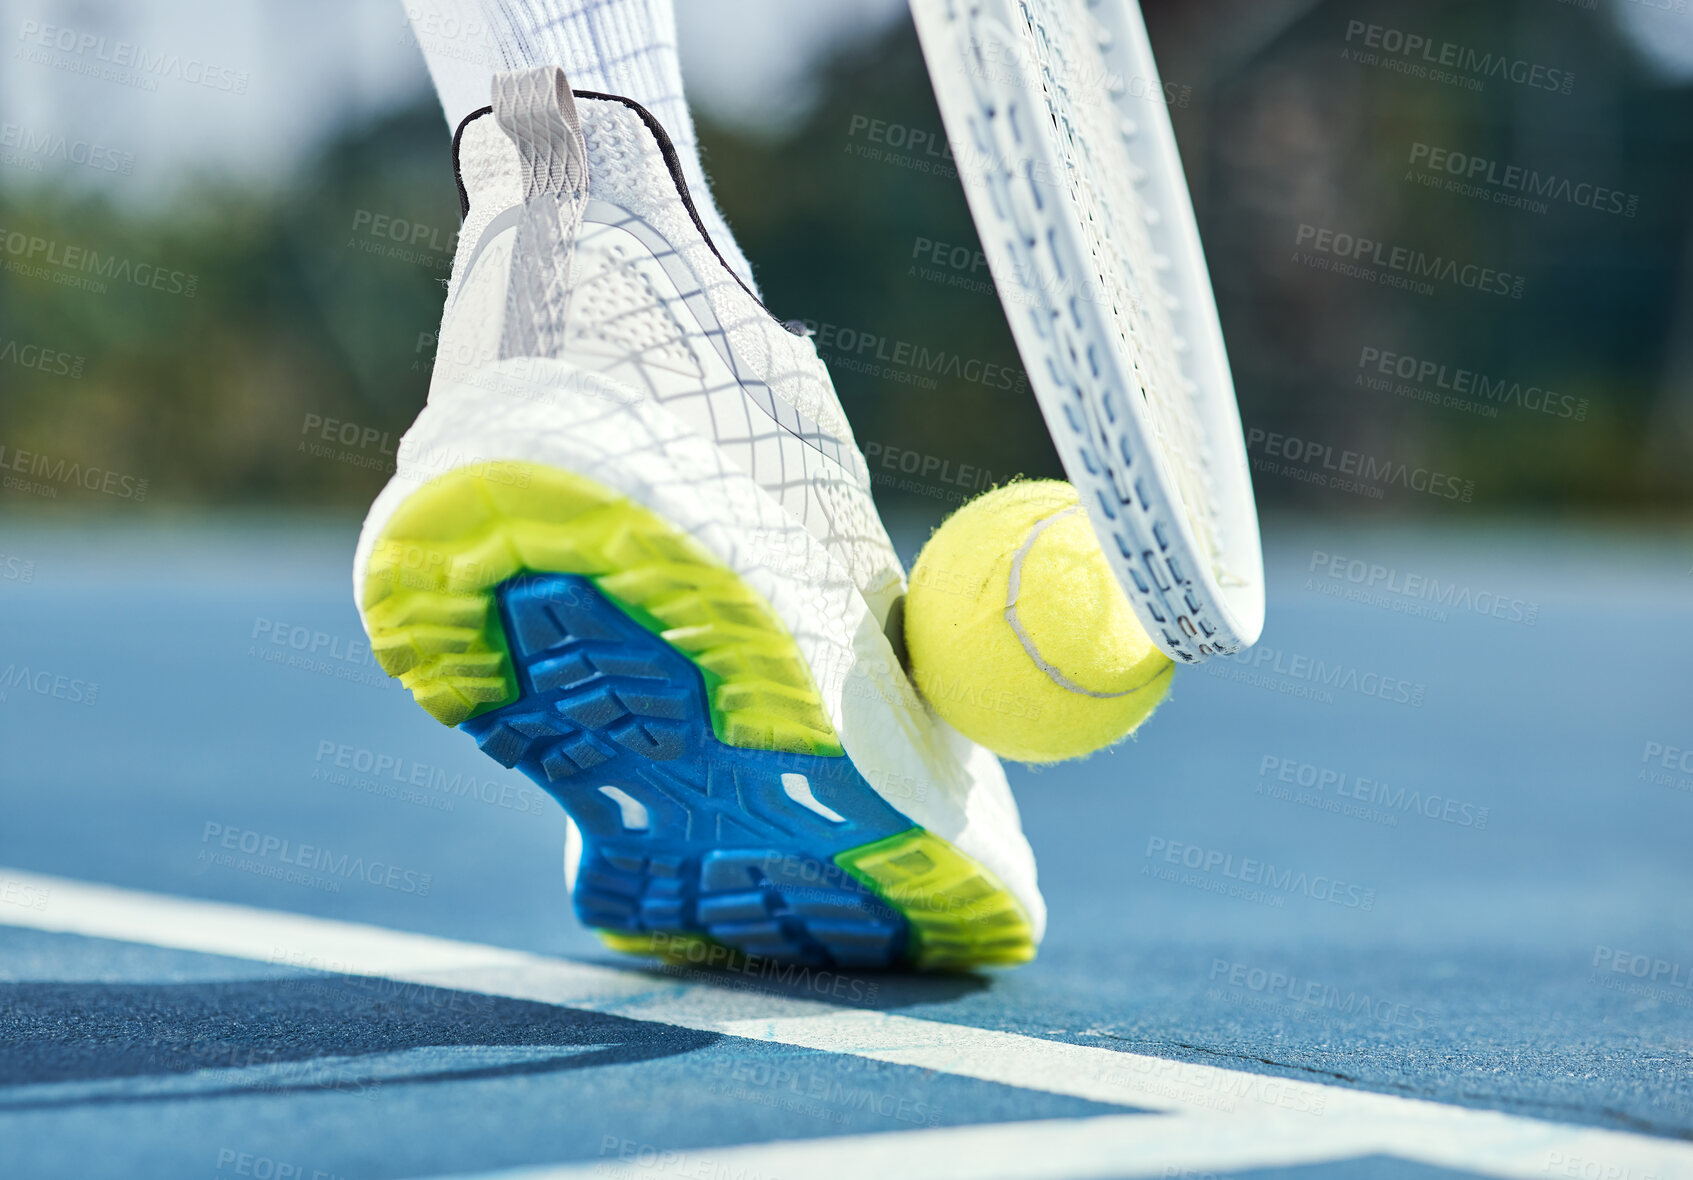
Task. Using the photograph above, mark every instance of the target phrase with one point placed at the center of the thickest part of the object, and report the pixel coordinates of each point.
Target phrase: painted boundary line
(1221, 1118)
(1102, 1148)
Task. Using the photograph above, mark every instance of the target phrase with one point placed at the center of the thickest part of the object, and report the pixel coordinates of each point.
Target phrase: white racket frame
(1195, 603)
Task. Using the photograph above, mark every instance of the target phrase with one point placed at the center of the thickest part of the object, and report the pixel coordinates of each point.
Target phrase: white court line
(1102, 1148)
(1223, 1118)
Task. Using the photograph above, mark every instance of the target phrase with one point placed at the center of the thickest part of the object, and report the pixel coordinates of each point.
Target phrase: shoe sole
(584, 640)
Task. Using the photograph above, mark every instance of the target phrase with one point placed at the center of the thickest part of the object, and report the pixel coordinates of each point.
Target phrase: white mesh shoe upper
(649, 304)
(634, 356)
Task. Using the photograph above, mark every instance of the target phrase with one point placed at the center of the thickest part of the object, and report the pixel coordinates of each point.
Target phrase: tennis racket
(1060, 131)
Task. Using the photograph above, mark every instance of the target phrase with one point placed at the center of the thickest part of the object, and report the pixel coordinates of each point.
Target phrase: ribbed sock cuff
(625, 47)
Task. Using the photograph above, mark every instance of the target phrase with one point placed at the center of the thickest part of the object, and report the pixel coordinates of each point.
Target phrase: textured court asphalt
(1479, 898)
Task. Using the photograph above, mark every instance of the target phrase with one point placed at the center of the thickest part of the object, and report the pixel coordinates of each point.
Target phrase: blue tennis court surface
(1402, 892)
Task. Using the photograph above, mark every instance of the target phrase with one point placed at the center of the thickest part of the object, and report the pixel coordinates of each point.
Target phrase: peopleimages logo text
(95, 479)
(33, 250)
(1415, 264)
(51, 361)
(1373, 791)
(1372, 576)
(128, 55)
(47, 684)
(1471, 383)
(1450, 55)
(316, 859)
(51, 145)
(1322, 456)
(1526, 181)
(932, 362)
(1250, 871)
(1311, 993)
(1262, 659)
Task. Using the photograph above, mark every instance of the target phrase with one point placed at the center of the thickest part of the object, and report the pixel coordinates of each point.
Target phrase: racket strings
(1081, 92)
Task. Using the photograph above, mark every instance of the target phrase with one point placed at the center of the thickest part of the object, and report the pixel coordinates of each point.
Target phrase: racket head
(1060, 131)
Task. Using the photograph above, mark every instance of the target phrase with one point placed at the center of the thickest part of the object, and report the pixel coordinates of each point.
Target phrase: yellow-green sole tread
(430, 605)
(960, 914)
(677, 948)
(429, 600)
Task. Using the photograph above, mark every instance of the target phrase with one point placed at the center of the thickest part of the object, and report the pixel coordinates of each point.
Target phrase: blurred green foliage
(308, 316)
(291, 321)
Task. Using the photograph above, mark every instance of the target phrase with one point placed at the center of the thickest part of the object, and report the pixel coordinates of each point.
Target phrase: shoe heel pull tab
(537, 111)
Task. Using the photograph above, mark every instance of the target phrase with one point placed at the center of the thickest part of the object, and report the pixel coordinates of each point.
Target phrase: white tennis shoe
(631, 548)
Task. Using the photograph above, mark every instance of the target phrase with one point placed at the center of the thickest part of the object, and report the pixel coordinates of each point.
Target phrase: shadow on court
(347, 1033)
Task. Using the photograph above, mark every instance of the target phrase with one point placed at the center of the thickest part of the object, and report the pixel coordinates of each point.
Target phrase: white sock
(623, 47)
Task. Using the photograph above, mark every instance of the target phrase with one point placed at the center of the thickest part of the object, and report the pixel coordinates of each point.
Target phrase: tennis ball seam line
(1013, 586)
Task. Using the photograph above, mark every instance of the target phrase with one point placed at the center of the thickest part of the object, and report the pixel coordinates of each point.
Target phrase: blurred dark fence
(1446, 237)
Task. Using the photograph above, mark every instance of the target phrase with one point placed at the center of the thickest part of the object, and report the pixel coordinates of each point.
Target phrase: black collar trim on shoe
(674, 163)
(458, 175)
(666, 148)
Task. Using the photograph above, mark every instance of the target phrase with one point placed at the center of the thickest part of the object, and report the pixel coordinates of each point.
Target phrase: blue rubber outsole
(682, 833)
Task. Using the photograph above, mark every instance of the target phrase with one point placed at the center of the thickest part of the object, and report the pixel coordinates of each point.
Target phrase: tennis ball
(1018, 633)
